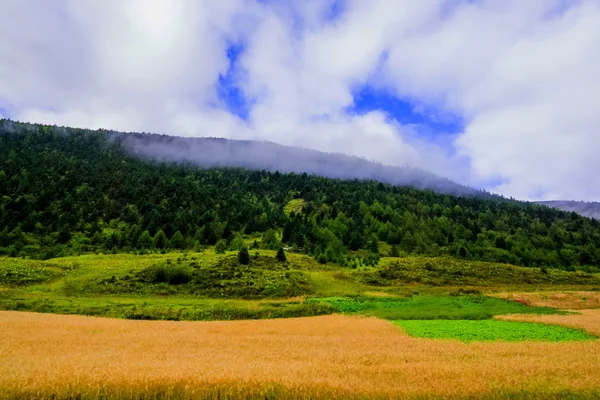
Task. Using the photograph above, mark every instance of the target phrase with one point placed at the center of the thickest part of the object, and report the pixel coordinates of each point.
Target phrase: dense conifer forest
(72, 191)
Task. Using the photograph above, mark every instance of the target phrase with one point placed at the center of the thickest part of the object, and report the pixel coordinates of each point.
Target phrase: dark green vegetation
(444, 271)
(15, 272)
(430, 307)
(171, 309)
(491, 330)
(66, 192)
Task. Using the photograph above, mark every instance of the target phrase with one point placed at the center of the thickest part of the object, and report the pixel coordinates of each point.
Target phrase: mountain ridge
(590, 209)
(265, 155)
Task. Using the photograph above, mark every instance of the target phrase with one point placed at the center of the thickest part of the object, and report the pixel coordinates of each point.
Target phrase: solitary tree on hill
(244, 256)
(281, 255)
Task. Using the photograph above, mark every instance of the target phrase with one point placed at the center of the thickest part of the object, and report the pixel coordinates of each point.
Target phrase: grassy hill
(206, 286)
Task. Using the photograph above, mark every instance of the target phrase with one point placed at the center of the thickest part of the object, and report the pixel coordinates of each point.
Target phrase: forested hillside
(72, 191)
(258, 155)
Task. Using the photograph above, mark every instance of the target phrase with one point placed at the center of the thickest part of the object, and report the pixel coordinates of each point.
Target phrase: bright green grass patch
(203, 274)
(293, 206)
(431, 307)
(491, 330)
(19, 272)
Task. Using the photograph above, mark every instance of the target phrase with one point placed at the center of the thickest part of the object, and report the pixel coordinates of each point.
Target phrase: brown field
(588, 320)
(43, 355)
(571, 300)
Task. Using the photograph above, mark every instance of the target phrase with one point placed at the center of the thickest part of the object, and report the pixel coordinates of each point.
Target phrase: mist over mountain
(585, 208)
(261, 155)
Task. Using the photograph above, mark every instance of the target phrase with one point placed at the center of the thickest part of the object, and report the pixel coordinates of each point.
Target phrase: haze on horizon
(495, 94)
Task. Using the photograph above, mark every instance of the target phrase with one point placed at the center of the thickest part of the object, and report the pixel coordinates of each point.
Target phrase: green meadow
(490, 330)
(210, 286)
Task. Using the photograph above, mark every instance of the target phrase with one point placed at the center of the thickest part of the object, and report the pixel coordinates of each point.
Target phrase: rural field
(44, 356)
(370, 332)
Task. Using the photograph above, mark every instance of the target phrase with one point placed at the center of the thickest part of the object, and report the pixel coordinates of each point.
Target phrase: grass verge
(430, 307)
(170, 309)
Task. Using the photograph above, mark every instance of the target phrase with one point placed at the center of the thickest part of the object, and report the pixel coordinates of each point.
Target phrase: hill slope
(259, 155)
(587, 209)
(213, 152)
(68, 191)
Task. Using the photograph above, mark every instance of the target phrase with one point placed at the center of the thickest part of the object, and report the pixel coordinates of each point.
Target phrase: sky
(496, 94)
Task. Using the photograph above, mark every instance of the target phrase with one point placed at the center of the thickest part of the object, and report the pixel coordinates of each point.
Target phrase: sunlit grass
(430, 307)
(491, 330)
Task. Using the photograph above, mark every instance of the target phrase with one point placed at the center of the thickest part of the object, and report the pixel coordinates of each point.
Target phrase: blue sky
(494, 94)
(228, 88)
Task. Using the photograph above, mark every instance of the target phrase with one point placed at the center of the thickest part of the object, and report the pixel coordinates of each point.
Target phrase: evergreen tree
(160, 240)
(145, 241)
(373, 245)
(281, 255)
(244, 256)
(394, 251)
(177, 241)
(462, 252)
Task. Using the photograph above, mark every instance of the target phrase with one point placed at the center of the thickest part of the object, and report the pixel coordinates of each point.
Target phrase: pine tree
(145, 241)
(394, 251)
(373, 244)
(281, 255)
(177, 241)
(244, 256)
(160, 240)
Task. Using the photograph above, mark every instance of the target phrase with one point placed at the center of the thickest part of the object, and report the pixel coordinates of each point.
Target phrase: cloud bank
(521, 75)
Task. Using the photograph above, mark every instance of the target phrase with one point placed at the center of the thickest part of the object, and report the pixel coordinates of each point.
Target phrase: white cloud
(115, 64)
(522, 74)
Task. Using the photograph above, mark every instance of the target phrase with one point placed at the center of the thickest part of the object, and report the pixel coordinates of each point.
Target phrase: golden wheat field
(574, 300)
(588, 320)
(43, 355)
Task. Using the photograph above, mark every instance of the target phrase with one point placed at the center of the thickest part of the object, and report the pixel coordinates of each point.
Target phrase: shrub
(237, 243)
(221, 246)
(171, 274)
